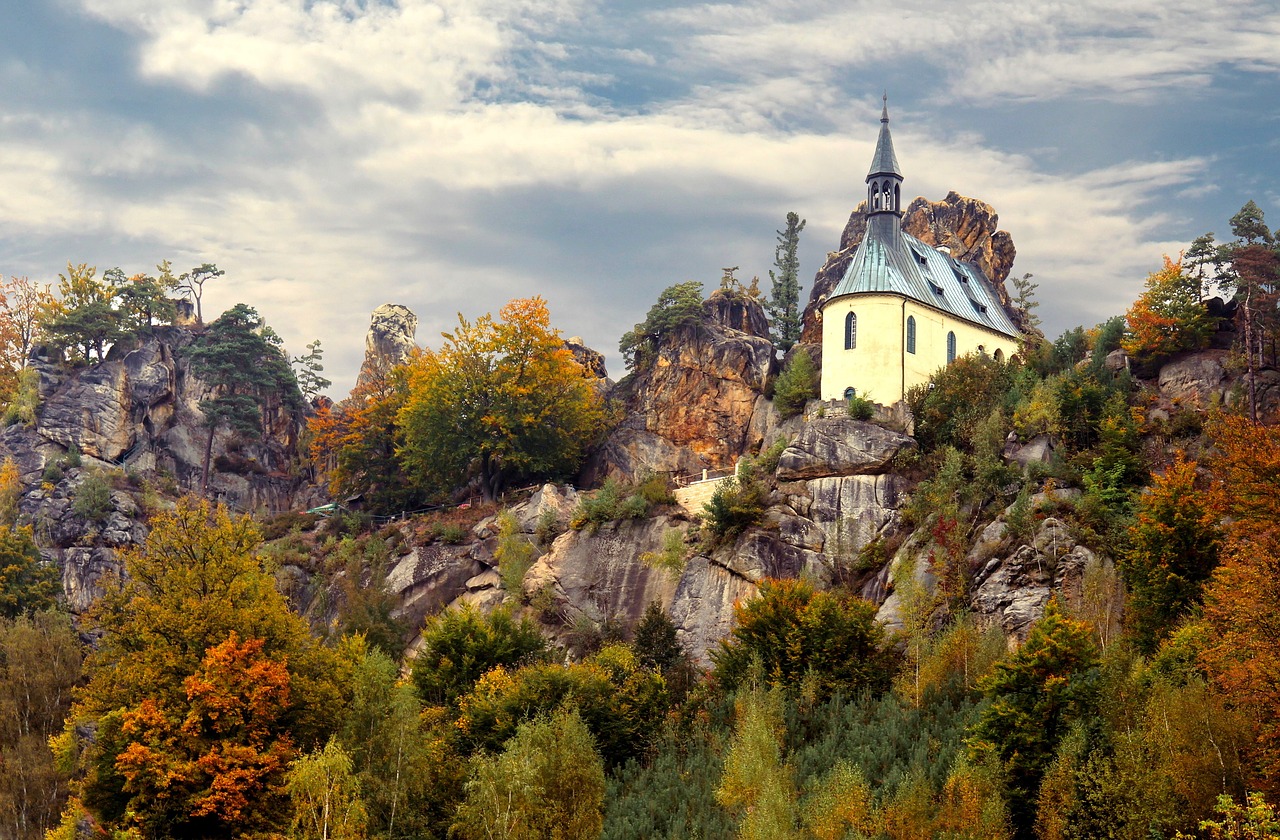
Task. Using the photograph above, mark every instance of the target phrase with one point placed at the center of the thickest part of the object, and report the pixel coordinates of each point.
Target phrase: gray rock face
(840, 446)
(389, 341)
(1197, 380)
(429, 578)
(852, 510)
(1012, 591)
(601, 575)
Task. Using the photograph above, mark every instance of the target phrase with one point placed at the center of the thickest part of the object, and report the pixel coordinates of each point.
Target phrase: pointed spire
(885, 161)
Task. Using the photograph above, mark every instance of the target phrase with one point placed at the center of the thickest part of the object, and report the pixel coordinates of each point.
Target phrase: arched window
(850, 331)
(911, 333)
(951, 347)
(849, 393)
(897, 197)
(999, 354)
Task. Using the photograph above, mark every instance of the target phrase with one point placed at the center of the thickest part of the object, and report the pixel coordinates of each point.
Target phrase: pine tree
(784, 302)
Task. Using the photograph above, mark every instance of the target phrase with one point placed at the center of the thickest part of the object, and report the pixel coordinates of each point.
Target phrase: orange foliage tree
(200, 686)
(1169, 316)
(1242, 599)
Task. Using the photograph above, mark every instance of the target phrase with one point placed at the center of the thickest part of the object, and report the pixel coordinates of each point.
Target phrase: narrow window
(850, 331)
(999, 355)
(951, 347)
(911, 333)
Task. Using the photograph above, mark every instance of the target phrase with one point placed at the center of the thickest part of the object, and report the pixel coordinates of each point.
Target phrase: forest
(194, 700)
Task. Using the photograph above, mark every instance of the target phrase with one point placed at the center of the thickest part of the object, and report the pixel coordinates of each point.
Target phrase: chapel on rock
(904, 308)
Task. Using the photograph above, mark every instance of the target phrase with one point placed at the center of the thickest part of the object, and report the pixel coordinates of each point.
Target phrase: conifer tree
(784, 297)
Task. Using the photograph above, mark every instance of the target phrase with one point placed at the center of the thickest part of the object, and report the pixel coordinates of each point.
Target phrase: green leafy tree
(784, 296)
(142, 299)
(309, 371)
(459, 645)
(621, 702)
(1035, 697)
(797, 384)
(248, 377)
(409, 777)
(956, 400)
(326, 796)
(757, 783)
(85, 319)
(503, 398)
(27, 583)
(678, 307)
(1174, 546)
(548, 782)
(796, 632)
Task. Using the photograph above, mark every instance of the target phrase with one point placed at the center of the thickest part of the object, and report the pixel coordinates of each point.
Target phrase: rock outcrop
(693, 407)
(389, 341)
(837, 446)
(966, 226)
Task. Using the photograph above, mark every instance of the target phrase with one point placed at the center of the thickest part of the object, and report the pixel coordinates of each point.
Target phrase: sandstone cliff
(693, 408)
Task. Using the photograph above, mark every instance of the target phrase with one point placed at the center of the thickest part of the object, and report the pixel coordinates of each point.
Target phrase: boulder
(852, 510)
(840, 446)
(389, 341)
(429, 578)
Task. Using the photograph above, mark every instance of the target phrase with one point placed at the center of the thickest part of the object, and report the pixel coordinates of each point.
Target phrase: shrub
(92, 499)
(797, 384)
(795, 631)
(767, 462)
(737, 504)
(614, 501)
(861, 408)
(52, 473)
(72, 458)
(460, 645)
(672, 556)
(514, 554)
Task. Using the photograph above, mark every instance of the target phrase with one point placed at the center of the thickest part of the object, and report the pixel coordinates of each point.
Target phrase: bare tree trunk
(208, 452)
(1248, 344)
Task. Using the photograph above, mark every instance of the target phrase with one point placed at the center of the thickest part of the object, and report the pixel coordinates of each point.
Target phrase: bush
(797, 384)
(460, 645)
(861, 408)
(93, 498)
(795, 631)
(672, 556)
(615, 501)
(514, 554)
(737, 503)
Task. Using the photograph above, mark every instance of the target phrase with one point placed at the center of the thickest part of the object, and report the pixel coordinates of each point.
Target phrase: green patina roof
(892, 261)
(885, 161)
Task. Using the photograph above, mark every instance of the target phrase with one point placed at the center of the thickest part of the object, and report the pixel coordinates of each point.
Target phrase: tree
(143, 300)
(39, 667)
(308, 370)
(191, 284)
(23, 305)
(326, 796)
(1169, 316)
(757, 783)
(459, 645)
(85, 319)
(795, 632)
(27, 583)
(246, 374)
(784, 300)
(356, 441)
(796, 385)
(503, 398)
(678, 307)
(1174, 548)
(1035, 696)
(201, 688)
(410, 777)
(548, 782)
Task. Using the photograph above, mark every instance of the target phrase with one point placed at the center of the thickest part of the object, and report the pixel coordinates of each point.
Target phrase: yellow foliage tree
(1169, 316)
(503, 398)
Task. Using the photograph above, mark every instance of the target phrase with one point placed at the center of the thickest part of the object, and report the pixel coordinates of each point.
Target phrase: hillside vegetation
(1051, 611)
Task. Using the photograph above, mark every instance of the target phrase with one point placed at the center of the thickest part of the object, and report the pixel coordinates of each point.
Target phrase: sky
(335, 155)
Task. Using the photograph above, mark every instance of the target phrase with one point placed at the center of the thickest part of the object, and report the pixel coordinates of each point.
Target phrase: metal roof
(885, 162)
(889, 260)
